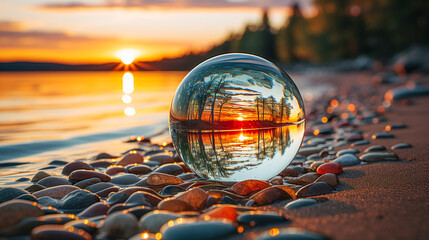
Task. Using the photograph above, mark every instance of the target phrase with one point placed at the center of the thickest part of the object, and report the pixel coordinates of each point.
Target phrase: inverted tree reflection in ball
(236, 117)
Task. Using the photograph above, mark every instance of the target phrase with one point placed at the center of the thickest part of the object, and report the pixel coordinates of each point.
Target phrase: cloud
(10, 26)
(176, 4)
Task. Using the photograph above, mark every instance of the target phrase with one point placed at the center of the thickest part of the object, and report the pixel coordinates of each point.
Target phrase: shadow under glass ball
(236, 117)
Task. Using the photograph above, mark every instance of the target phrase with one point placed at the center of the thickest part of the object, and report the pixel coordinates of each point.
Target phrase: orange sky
(72, 32)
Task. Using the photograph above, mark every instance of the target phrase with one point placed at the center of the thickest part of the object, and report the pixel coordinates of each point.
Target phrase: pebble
(9, 193)
(34, 188)
(410, 90)
(52, 181)
(101, 164)
(347, 151)
(269, 195)
(138, 211)
(48, 202)
(400, 146)
(300, 203)
(354, 138)
(155, 179)
(174, 205)
(196, 198)
(331, 167)
(396, 126)
(53, 232)
(58, 163)
(119, 226)
(379, 156)
(11, 212)
(140, 169)
(329, 178)
(87, 182)
(162, 158)
(306, 151)
(96, 209)
(80, 175)
(172, 169)
(29, 197)
(382, 135)
(304, 179)
(105, 192)
(125, 179)
(222, 212)
(288, 172)
(171, 190)
(316, 164)
(249, 186)
(180, 229)
(143, 198)
(69, 168)
(375, 148)
(39, 176)
(104, 156)
(78, 200)
(130, 158)
(112, 170)
(260, 218)
(314, 189)
(99, 186)
(153, 221)
(83, 224)
(292, 234)
(360, 143)
(347, 160)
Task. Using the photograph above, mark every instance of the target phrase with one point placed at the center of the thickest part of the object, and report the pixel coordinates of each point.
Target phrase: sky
(92, 31)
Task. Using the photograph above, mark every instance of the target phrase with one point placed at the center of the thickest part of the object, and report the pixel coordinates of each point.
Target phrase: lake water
(75, 115)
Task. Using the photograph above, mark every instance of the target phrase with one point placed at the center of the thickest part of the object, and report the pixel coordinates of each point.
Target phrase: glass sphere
(236, 117)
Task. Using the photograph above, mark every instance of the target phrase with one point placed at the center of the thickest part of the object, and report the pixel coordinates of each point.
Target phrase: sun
(240, 119)
(127, 56)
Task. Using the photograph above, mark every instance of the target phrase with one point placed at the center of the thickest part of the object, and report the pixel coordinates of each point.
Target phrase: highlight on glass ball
(236, 117)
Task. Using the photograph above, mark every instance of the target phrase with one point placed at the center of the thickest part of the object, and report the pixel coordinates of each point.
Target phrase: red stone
(331, 167)
(114, 170)
(224, 212)
(70, 167)
(248, 186)
(80, 175)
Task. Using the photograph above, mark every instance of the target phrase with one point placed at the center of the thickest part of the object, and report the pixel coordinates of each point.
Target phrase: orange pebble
(225, 212)
(247, 186)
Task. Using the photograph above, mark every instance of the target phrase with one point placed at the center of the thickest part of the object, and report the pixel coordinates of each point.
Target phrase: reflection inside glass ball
(237, 117)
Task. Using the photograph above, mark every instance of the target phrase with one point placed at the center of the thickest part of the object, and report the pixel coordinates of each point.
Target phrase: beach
(384, 198)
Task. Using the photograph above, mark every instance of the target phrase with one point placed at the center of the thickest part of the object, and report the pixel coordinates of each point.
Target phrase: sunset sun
(127, 56)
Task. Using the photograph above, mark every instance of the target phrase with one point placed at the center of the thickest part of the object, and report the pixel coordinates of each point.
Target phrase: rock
(104, 156)
(171, 190)
(354, 137)
(29, 197)
(290, 233)
(375, 148)
(39, 176)
(11, 212)
(396, 126)
(80, 175)
(101, 164)
(315, 189)
(96, 209)
(78, 200)
(331, 167)
(52, 181)
(9, 193)
(138, 211)
(180, 230)
(174, 205)
(347, 151)
(249, 186)
(53, 232)
(130, 158)
(172, 169)
(87, 182)
(162, 158)
(329, 178)
(411, 90)
(140, 169)
(303, 179)
(382, 135)
(83, 224)
(69, 168)
(306, 151)
(155, 179)
(301, 203)
(99, 186)
(269, 195)
(153, 221)
(261, 218)
(360, 143)
(401, 146)
(119, 226)
(125, 179)
(48, 202)
(277, 180)
(288, 172)
(347, 160)
(58, 163)
(223, 212)
(316, 164)
(112, 170)
(141, 198)
(34, 188)
(379, 156)
(195, 198)
(105, 192)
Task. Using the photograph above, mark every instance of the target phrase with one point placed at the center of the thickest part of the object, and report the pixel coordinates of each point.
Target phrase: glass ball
(236, 117)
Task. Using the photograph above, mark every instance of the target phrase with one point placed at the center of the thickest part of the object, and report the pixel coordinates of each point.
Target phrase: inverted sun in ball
(236, 117)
